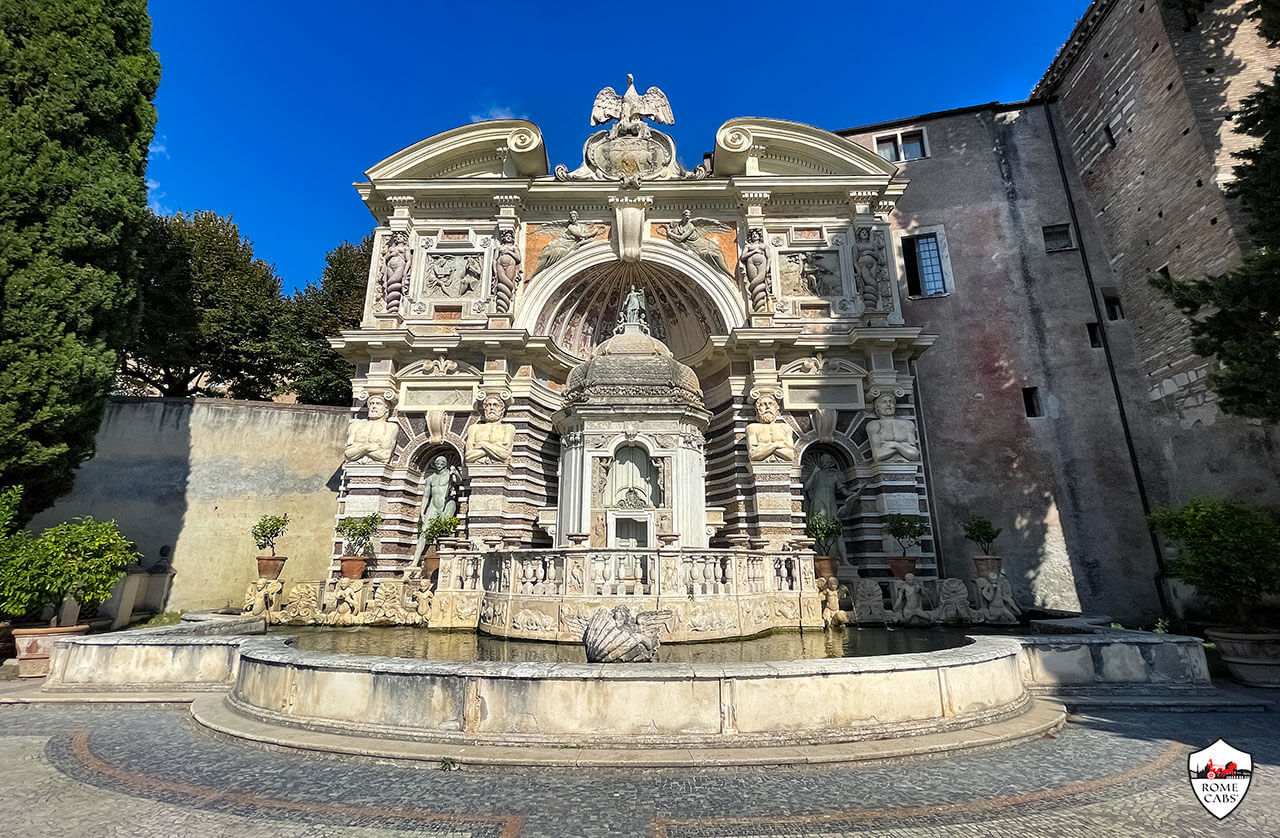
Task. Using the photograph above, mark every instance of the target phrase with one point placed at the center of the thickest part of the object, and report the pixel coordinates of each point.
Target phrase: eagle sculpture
(631, 109)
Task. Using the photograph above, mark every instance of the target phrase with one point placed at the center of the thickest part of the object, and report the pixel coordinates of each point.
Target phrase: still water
(779, 646)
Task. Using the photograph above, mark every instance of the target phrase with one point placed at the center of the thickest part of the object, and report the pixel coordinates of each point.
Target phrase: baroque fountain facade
(626, 380)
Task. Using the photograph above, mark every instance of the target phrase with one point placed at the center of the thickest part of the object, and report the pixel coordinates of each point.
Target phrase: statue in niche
(831, 591)
(632, 483)
(506, 270)
(755, 269)
(999, 606)
(574, 234)
(827, 492)
(634, 308)
(908, 602)
(892, 439)
(769, 439)
(439, 498)
(394, 275)
(372, 440)
(871, 262)
(689, 234)
(492, 440)
(452, 276)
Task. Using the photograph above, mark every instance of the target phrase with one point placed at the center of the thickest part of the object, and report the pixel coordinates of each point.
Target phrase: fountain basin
(630, 705)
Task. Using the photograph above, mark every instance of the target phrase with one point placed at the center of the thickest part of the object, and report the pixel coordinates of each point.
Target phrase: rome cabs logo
(1220, 776)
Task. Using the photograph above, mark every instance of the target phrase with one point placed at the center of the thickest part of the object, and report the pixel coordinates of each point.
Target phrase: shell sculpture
(619, 636)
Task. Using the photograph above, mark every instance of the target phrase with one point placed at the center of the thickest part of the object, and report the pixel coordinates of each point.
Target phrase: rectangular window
(887, 147)
(1111, 138)
(1111, 300)
(923, 262)
(1095, 335)
(1058, 237)
(903, 145)
(913, 145)
(1031, 402)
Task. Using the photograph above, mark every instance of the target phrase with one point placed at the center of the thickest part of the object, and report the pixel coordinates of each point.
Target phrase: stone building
(943, 315)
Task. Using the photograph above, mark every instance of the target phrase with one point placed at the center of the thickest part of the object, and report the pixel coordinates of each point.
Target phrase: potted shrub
(358, 533)
(983, 533)
(824, 530)
(1230, 553)
(440, 527)
(907, 530)
(80, 560)
(265, 533)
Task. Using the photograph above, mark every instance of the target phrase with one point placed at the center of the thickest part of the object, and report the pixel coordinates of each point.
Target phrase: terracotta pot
(824, 566)
(269, 567)
(430, 564)
(987, 564)
(900, 566)
(35, 645)
(1252, 657)
(353, 567)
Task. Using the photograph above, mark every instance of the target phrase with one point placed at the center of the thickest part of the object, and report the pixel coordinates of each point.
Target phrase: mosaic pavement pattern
(115, 770)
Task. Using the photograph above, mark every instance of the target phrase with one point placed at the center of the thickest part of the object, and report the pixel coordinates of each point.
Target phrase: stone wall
(1061, 485)
(186, 479)
(1164, 89)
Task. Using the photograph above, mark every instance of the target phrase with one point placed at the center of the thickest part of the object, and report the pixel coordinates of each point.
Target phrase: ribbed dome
(633, 365)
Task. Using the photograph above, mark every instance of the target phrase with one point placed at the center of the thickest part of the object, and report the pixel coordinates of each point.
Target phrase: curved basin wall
(838, 699)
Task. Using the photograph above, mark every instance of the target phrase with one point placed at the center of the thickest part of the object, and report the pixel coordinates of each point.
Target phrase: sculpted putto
(770, 440)
(372, 440)
(892, 439)
(492, 440)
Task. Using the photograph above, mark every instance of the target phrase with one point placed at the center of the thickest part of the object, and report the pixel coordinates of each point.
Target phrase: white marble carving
(689, 234)
(492, 440)
(831, 590)
(770, 439)
(996, 598)
(756, 269)
(393, 276)
(892, 439)
(506, 270)
(372, 440)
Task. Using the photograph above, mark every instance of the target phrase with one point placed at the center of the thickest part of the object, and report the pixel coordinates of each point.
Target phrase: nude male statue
(492, 440)
(372, 440)
(892, 439)
(768, 439)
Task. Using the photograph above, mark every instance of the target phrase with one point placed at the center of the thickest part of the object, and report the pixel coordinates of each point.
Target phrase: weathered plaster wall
(1166, 90)
(186, 480)
(1060, 485)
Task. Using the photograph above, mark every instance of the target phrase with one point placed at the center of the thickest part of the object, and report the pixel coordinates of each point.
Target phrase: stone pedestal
(390, 492)
(773, 502)
(491, 512)
(897, 493)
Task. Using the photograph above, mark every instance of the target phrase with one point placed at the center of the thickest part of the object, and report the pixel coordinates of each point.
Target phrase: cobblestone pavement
(117, 770)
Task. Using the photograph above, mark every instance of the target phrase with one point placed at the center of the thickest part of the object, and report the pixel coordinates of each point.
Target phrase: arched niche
(575, 302)
(634, 481)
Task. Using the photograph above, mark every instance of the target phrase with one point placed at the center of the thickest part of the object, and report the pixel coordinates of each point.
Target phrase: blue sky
(270, 110)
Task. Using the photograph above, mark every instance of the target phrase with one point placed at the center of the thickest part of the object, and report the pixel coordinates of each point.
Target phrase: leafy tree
(1236, 316)
(317, 374)
(209, 311)
(76, 82)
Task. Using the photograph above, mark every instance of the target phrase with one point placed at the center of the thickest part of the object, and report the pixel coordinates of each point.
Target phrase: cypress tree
(77, 78)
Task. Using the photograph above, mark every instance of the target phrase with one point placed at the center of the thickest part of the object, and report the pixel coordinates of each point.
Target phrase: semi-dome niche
(584, 311)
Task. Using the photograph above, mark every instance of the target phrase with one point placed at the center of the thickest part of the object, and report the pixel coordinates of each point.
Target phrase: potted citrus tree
(1230, 553)
(358, 535)
(824, 530)
(442, 526)
(265, 533)
(908, 531)
(983, 533)
(79, 560)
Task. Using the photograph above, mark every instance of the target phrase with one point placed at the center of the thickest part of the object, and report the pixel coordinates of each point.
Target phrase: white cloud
(153, 198)
(497, 112)
(158, 148)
